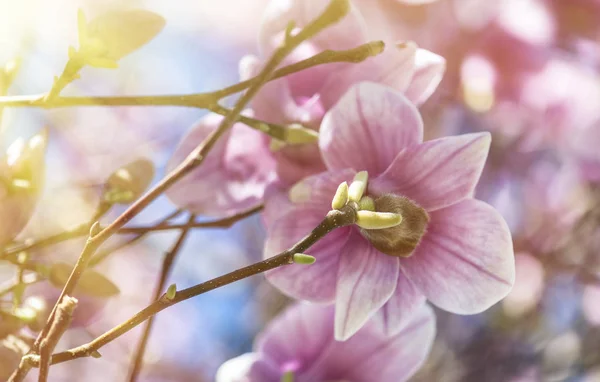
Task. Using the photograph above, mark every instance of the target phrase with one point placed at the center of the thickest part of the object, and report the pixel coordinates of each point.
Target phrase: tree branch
(334, 219)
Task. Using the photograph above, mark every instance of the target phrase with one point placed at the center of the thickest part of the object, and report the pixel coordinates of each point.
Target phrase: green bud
(341, 196)
(171, 291)
(288, 376)
(129, 182)
(298, 134)
(302, 258)
(95, 354)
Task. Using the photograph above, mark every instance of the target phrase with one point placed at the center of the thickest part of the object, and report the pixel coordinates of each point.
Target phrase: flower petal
(394, 68)
(429, 70)
(367, 128)
(316, 282)
(465, 262)
(401, 307)
(249, 367)
(437, 173)
(392, 359)
(366, 279)
(298, 335)
(274, 102)
(232, 178)
(347, 33)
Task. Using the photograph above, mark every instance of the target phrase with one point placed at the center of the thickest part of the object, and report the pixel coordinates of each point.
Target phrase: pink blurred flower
(300, 341)
(232, 178)
(463, 258)
(302, 97)
(528, 288)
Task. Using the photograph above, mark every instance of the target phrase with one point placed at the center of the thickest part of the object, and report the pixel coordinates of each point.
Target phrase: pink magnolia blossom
(303, 98)
(463, 257)
(233, 176)
(300, 342)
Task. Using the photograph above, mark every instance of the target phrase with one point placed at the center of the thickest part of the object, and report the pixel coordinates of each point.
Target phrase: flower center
(393, 223)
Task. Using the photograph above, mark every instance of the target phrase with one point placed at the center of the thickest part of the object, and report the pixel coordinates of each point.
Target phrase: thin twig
(198, 100)
(138, 354)
(334, 219)
(63, 316)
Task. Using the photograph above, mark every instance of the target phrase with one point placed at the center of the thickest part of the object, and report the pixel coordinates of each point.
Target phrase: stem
(64, 313)
(199, 100)
(334, 219)
(160, 286)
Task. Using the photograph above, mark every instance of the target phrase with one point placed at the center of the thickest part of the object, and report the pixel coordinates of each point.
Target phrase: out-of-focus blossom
(22, 172)
(528, 288)
(234, 174)
(463, 259)
(303, 98)
(590, 306)
(300, 344)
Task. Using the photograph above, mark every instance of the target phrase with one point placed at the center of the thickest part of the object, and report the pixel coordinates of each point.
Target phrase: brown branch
(63, 316)
(138, 355)
(334, 219)
(198, 100)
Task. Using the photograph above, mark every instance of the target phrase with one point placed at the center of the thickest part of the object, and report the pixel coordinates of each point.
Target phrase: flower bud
(129, 182)
(402, 239)
(115, 34)
(302, 258)
(22, 173)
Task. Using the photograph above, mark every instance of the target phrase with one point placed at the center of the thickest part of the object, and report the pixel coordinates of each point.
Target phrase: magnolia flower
(234, 174)
(299, 346)
(301, 98)
(449, 248)
(22, 175)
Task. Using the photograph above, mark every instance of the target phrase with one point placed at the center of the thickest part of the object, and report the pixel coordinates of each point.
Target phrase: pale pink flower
(300, 342)
(463, 257)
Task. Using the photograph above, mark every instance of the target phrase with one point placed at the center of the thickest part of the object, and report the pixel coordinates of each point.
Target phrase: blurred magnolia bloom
(302, 98)
(449, 248)
(528, 288)
(22, 172)
(299, 345)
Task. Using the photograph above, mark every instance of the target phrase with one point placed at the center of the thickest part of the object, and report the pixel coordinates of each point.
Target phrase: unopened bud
(377, 220)
(298, 134)
(171, 292)
(129, 182)
(302, 258)
(95, 354)
(341, 196)
(358, 186)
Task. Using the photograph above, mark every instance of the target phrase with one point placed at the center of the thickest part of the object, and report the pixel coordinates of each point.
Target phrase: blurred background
(528, 71)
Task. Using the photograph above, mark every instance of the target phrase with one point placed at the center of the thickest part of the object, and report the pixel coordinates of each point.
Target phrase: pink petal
(394, 359)
(298, 335)
(274, 102)
(394, 68)
(401, 307)
(428, 74)
(248, 367)
(465, 262)
(316, 282)
(437, 173)
(366, 279)
(367, 128)
(347, 33)
(233, 176)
